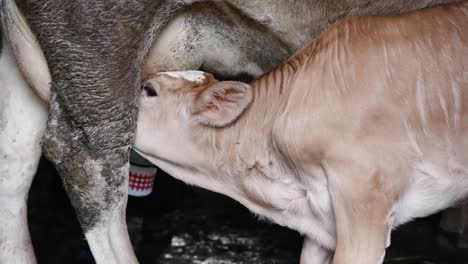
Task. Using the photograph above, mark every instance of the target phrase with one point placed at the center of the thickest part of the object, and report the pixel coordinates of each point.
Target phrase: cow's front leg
(313, 253)
(92, 158)
(362, 202)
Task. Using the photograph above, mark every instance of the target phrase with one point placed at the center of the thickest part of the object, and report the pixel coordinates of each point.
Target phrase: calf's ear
(220, 104)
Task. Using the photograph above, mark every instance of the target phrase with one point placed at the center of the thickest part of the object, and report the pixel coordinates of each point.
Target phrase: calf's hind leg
(22, 124)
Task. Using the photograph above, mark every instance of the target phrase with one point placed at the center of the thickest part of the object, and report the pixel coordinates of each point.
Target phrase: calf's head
(174, 104)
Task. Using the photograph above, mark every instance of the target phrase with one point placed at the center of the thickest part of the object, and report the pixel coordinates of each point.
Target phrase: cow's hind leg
(95, 61)
(22, 124)
(313, 253)
(363, 204)
(93, 164)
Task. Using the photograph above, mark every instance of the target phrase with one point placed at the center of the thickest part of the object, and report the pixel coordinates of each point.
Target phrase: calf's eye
(149, 90)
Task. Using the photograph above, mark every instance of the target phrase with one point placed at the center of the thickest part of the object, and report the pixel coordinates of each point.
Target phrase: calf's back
(390, 94)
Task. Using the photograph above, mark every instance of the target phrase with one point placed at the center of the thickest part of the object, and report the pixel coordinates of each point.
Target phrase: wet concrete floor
(178, 224)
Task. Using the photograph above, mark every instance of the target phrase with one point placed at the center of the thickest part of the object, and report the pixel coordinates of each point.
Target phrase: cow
(361, 131)
(87, 57)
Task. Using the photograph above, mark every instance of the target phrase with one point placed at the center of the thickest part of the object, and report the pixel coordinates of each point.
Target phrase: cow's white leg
(22, 124)
(312, 253)
(103, 242)
(362, 207)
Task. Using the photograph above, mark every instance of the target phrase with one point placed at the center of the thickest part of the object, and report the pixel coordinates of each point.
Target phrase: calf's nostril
(149, 90)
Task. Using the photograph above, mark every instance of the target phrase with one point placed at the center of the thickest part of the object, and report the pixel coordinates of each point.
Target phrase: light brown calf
(361, 131)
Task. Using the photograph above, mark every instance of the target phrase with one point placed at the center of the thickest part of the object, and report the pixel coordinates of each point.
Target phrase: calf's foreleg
(313, 253)
(362, 205)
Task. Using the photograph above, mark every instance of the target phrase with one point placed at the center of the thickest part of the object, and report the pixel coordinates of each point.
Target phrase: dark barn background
(179, 224)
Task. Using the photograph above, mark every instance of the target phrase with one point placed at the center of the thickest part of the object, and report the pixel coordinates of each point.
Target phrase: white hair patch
(193, 76)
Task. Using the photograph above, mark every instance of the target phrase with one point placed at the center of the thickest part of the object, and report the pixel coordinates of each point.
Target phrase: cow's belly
(206, 40)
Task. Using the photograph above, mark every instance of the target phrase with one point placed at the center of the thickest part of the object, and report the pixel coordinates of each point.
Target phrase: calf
(359, 132)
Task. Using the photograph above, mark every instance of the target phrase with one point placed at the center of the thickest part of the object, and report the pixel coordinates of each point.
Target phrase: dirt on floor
(178, 224)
